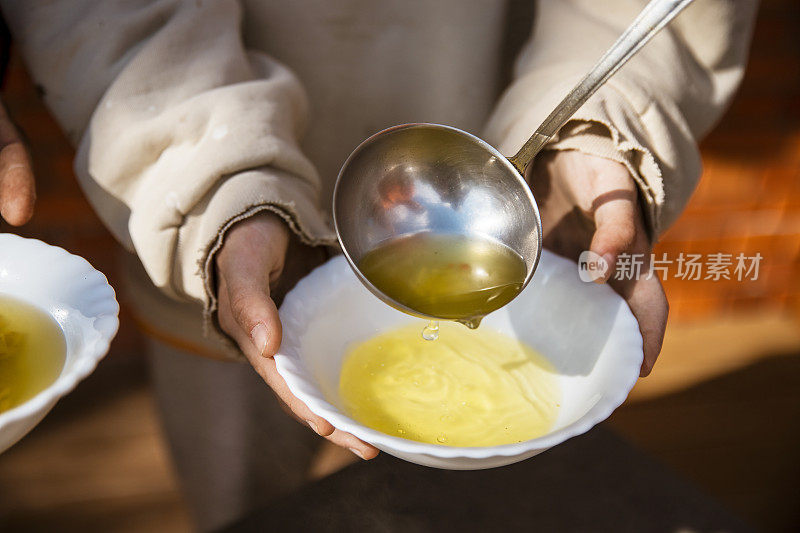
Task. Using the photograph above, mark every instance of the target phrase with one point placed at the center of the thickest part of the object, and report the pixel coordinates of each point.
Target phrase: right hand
(591, 203)
(17, 191)
(249, 266)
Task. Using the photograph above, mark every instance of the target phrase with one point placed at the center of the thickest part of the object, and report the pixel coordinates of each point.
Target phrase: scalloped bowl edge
(15, 423)
(310, 293)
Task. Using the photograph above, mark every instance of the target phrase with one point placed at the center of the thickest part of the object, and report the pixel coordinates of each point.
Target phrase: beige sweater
(189, 115)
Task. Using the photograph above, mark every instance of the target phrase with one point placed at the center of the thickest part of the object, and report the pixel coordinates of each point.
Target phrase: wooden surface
(97, 462)
(722, 408)
(595, 482)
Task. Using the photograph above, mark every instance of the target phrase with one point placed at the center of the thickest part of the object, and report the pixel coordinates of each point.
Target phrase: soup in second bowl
(32, 351)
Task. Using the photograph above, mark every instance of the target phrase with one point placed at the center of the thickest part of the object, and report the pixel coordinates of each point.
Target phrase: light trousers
(232, 445)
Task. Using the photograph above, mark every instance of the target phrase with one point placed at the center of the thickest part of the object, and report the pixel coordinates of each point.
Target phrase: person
(188, 117)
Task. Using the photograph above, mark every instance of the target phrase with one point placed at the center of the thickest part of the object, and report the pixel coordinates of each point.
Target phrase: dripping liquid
(431, 331)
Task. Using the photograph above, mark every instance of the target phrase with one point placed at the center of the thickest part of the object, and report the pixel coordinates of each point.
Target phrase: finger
(229, 324)
(257, 316)
(254, 314)
(649, 305)
(648, 302)
(645, 297)
(615, 222)
(17, 190)
(347, 440)
(268, 371)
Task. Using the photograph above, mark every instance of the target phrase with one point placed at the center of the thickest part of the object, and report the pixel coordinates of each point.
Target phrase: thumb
(250, 258)
(256, 317)
(615, 223)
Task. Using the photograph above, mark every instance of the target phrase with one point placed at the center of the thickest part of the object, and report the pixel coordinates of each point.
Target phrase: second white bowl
(78, 297)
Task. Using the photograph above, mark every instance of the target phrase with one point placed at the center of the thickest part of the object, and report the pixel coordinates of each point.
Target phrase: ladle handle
(653, 17)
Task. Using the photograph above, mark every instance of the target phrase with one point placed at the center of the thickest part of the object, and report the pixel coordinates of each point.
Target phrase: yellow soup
(32, 351)
(468, 388)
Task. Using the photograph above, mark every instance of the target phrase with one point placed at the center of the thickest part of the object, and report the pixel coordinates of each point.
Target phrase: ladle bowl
(428, 178)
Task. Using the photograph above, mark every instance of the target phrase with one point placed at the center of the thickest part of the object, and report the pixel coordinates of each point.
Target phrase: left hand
(258, 263)
(591, 203)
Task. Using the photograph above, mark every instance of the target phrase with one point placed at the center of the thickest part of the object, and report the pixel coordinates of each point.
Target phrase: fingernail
(357, 452)
(259, 336)
(313, 426)
(610, 267)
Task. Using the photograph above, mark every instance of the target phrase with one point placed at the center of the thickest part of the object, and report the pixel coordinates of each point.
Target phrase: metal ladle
(416, 178)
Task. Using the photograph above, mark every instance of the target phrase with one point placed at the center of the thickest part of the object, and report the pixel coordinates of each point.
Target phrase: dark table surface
(596, 482)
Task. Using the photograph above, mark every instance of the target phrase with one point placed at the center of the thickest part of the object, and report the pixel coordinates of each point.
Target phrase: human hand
(249, 266)
(17, 191)
(591, 203)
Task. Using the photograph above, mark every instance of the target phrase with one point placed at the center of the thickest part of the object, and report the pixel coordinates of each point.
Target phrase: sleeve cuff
(598, 139)
(235, 199)
(607, 126)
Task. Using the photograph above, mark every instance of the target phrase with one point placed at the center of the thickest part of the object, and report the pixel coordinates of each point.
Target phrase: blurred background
(722, 407)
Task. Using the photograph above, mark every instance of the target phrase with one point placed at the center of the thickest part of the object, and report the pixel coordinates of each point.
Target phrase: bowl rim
(291, 367)
(88, 358)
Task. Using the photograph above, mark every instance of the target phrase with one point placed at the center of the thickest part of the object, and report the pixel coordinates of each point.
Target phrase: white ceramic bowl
(78, 297)
(586, 331)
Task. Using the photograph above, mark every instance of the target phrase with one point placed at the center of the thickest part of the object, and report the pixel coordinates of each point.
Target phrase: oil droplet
(431, 331)
(441, 438)
(472, 323)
